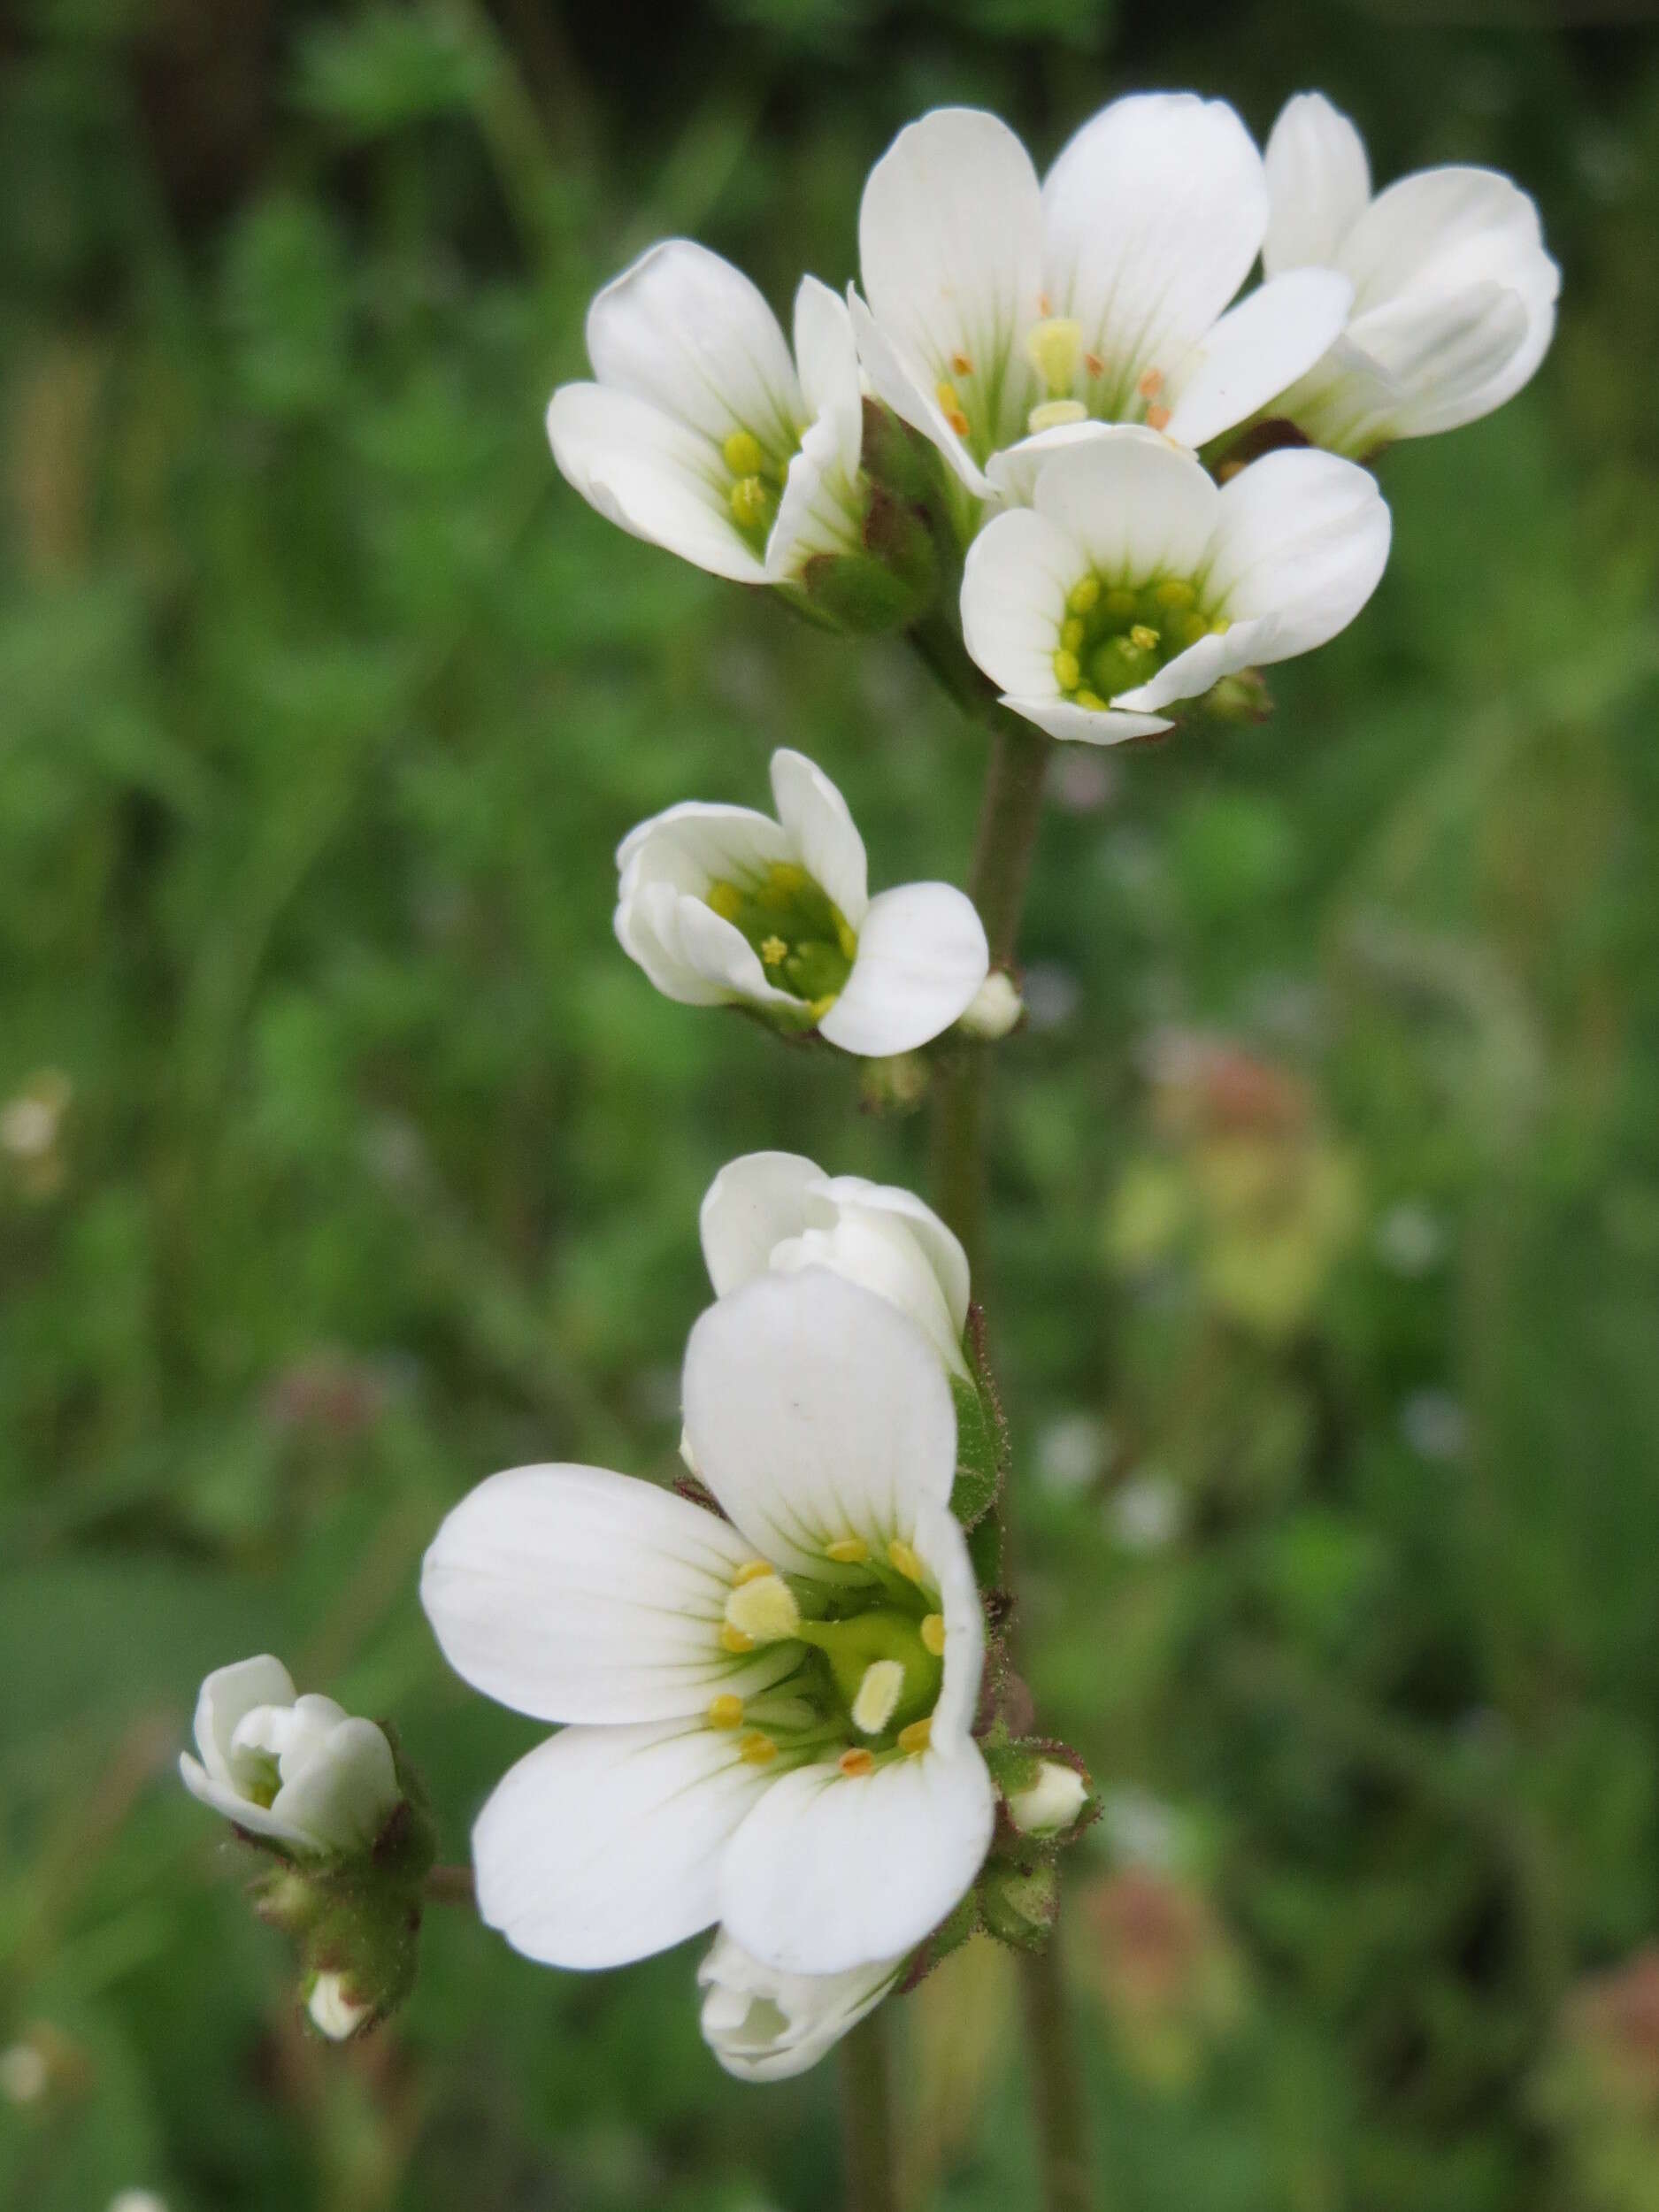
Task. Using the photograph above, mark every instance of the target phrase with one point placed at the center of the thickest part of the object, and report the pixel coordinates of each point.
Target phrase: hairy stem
(1056, 2089)
(867, 2144)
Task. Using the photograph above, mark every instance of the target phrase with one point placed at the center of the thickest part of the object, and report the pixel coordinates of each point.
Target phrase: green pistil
(1117, 636)
(803, 942)
(852, 1646)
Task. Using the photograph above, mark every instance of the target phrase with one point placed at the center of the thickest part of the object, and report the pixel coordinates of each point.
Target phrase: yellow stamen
(1175, 592)
(725, 899)
(751, 1570)
(1228, 470)
(725, 1711)
(818, 1006)
(1087, 698)
(1083, 595)
(916, 1739)
(950, 406)
(773, 950)
(878, 1693)
(1151, 384)
(743, 455)
(750, 502)
(1067, 669)
(961, 365)
(1055, 349)
(848, 1551)
(933, 1634)
(1144, 636)
(1093, 363)
(905, 1559)
(1157, 417)
(756, 1750)
(846, 938)
(784, 877)
(854, 1763)
(734, 1641)
(1053, 414)
(764, 1609)
(1220, 627)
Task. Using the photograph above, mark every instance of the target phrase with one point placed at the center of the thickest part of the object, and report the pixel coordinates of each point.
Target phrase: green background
(372, 1165)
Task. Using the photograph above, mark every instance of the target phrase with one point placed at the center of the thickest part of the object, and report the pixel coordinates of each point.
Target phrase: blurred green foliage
(344, 1159)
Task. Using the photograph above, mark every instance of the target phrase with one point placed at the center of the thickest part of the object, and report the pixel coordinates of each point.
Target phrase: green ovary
(852, 1646)
(803, 942)
(1117, 636)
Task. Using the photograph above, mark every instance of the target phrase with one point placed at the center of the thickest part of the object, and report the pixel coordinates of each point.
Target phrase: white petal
(717, 951)
(943, 1550)
(1444, 229)
(1152, 215)
(1257, 350)
(1014, 471)
(1319, 183)
(226, 1697)
(1450, 360)
(827, 356)
(950, 252)
(1138, 504)
(343, 1794)
(942, 1248)
(762, 2026)
(821, 829)
(752, 1206)
(647, 930)
(1190, 675)
(903, 384)
(692, 844)
(922, 955)
(605, 1844)
(224, 1799)
(1302, 541)
(575, 1594)
(832, 1871)
(879, 1252)
(1085, 725)
(686, 331)
(815, 1413)
(652, 476)
(1014, 587)
(820, 511)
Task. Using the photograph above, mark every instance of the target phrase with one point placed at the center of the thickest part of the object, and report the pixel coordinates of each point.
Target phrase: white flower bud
(994, 1009)
(763, 2026)
(1051, 1804)
(332, 2011)
(298, 1770)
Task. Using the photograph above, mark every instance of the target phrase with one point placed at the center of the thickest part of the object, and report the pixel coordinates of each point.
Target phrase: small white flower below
(299, 1770)
(721, 905)
(762, 2026)
(333, 2012)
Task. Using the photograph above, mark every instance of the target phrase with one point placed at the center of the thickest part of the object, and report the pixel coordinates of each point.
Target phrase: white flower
(331, 2011)
(699, 434)
(774, 1212)
(298, 1770)
(769, 1714)
(721, 905)
(762, 2026)
(999, 310)
(1454, 293)
(1134, 582)
(1051, 1804)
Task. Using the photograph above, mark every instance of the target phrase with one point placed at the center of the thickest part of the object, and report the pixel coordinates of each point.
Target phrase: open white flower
(775, 1213)
(701, 434)
(1454, 293)
(770, 1715)
(298, 1770)
(1001, 311)
(762, 2026)
(1134, 582)
(721, 905)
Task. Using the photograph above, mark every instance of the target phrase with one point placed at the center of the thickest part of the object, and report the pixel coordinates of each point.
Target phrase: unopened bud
(1017, 1903)
(1050, 1804)
(994, 1009)
(333, 2011)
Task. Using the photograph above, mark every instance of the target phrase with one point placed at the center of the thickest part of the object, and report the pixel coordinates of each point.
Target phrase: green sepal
(861, 592)
(1014, 1763)
(984, 1550)
(901, 460)
(1018, 1898)
(982, 1445)
(961, 1923)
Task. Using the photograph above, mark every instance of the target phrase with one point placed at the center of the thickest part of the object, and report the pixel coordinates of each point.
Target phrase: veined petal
(344, 1793)
(1152, 216)
(1319, 184)
(950, 252)
(575, 1594)
(1014, 587)
(1257, 350)
(652, 476)
(1014, 471)
(942, 1248)
(762, 2026)
(605, 1844)
(903, 383)
(828, 357)
(816, 1412)
(1448, 359)
(831, 1871)
(686, 331)
(752, 1206)
(226, 1698)
(1444, 229)
(819, 824)
(943, 1550)
(1302, 540)
(922, 955)
(1138, 504)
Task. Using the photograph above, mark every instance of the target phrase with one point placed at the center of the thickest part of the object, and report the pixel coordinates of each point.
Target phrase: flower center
(755, 487)
(804, 941)
(1117, 635)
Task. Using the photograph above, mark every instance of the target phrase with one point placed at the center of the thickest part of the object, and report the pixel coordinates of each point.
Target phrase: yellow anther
(1053, 414)
(879, 1694)
(1228, 470)
(764, 1609)
(756, 1750)
(734, 1641)
(784, 878)
(961, 365)
(1157, 417)
(1193, 626)
(725, 899)
(916, 1739)
(1067, 669)
(1089, 697)
(1083, 595)
(1119, 602)
(773, 950)
(818, 1006)
(853, 1763)
(1055, 349)
(750, 502)
(1174, 591)
(950, 405)
(1151, 384)
(933, 1634)
(725, 1711)
(1220, 627)
(751, 1570)
(903, 1557)
(846, 938)
(1143, 636)
(743, 455)
(1093, 363)
(848, 1551)
(1072, 634)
